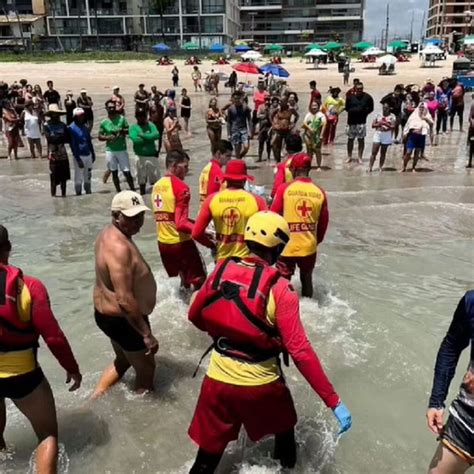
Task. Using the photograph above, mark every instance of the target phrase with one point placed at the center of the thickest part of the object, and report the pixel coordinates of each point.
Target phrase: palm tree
(161, 6)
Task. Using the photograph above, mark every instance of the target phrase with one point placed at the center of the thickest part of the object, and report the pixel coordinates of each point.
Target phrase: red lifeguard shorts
(287, 265)
(223, 408)
(183, 259)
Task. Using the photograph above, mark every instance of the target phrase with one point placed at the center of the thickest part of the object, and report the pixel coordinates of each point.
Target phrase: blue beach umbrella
(217, 48)
(161, 47)
(242, 48)
(275, 69)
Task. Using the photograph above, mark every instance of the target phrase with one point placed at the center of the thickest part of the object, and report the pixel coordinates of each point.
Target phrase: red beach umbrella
(248, 68)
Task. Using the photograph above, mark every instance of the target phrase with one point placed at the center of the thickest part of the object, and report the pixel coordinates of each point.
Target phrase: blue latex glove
(343, 415)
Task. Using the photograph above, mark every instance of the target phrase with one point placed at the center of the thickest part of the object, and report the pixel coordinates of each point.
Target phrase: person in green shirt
(144, 135)
(113, 131)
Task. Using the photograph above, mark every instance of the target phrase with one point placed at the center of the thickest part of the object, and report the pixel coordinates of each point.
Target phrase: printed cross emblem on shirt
(303, 209)
(231, 216)
(158, 201)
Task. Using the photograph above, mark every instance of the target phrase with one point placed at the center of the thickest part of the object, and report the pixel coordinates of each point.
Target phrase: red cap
(236, 170)
(300, 160)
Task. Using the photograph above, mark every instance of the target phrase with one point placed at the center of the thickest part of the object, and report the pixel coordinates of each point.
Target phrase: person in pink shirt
(258, 100)
(432, 105)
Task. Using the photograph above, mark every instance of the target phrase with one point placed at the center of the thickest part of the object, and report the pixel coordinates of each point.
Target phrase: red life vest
(235, 311)
(15, 334)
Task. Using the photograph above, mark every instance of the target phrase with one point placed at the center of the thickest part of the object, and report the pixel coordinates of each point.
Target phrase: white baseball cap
(78, 111)
(129, 203)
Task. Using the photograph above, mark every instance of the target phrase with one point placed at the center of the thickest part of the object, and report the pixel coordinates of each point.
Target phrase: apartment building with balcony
(297, 22)
(448, 19)
(123, 24)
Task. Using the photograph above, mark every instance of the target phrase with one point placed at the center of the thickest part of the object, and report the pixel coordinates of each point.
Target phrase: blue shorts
(416, 141)
(241, 137)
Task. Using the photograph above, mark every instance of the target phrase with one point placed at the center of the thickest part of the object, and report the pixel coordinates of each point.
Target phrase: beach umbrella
(316, 53)
(397, 45)
(242, 48)
(273, 48)
(362, 46)
(216, 48)
(252, 55)
(333, 46)
(431, 49)
(387, 59)
(161, 47)
(275, 69)
(435, 41)
(222, 75)
(373, 52)
(190, 46)
(467, 40)
(248, 68)
(312, 46)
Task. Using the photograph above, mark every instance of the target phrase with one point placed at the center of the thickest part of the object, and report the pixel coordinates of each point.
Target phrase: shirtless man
(124, 295)
(118, 99)
(283, 121)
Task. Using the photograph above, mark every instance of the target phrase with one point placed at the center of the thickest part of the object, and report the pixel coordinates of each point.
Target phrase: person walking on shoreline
(124, 296)
(25, 313)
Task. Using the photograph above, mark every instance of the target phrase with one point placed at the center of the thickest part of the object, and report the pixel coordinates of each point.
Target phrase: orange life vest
(302, 203)
(16, 330)
(235, 311)
(164, 206)
(231, 209)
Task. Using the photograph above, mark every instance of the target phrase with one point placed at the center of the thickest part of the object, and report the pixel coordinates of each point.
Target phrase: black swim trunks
(19, 386)
(458, 435)
(120, 331)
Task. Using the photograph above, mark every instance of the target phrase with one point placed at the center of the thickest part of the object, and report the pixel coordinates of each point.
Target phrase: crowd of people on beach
(247, 303)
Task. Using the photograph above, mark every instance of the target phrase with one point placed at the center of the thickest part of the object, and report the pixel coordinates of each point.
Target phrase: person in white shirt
(384, 125)
(32, 129)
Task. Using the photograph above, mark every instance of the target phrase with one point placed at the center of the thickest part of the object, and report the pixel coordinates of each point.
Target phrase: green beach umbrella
(190, 45)
(273, 48)
(468, 40)
(333, 46)
(362, 46)
(397, 45)
(313, 46)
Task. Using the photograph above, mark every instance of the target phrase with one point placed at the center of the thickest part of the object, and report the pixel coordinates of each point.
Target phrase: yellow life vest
(230, 210)
(164, 206)
(302, 203)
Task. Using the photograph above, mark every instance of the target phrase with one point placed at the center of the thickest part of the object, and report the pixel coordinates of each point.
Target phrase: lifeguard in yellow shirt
(303, 204)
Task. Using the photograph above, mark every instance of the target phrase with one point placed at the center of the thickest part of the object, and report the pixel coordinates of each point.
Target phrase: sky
(401, 12)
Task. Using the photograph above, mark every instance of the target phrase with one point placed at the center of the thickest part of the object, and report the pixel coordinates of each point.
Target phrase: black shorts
(120, 331)
(22, 385)
(456, 435)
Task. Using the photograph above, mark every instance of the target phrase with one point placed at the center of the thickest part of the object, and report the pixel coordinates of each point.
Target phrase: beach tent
(242, 48)
(311, 46)
(190, 46)
(333, 46)
(468, 40)
(252, 55)
(273, 48)
(160, 47)
(362, 46)
(388, 59)
(217, 48)
(373, 52)
(316, 53)
(397, 45)
(431, 49)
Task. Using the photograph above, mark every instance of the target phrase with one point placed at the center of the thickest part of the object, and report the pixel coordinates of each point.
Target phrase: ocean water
(397, 258)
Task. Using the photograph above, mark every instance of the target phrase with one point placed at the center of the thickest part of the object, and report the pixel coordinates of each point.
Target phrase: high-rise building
(297, 22)
(449, 19)
(126, 23)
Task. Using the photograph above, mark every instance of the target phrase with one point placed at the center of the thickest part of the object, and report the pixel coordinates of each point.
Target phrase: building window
(109, 26)
(190, 6)
(171, 25)
(213, 6)
(212, 24)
